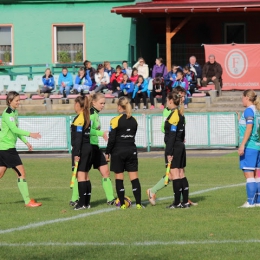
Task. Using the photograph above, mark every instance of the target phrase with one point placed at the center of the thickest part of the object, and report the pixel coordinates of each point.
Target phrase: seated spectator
(116, 79)
(108, 69)
(83, 81)
(126, 88)
(65, 82)
(196, 68)
(125, 69)
(134, 75)
(140, 91)
(159, 69)
(158, 89)
(88, 67)
(102, 79)
(142, 68)
(171, 76)
(212, 72)
(190, 76)
(48, 82)
(181, 81)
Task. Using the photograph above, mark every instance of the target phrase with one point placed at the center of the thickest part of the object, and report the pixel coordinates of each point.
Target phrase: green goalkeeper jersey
(95, 130)
(10, 131)
(166, 113)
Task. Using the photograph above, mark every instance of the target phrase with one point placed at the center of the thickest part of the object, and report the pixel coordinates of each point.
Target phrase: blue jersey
(250, 117)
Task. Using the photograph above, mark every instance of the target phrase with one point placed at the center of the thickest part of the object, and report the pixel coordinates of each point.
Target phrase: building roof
(187, 6)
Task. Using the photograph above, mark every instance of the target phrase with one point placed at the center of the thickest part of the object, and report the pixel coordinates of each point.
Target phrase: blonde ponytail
(125, 104)
(252, 96)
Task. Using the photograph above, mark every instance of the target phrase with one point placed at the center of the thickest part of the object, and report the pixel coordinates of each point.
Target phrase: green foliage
(7, 56)
(216, 220)
(79, 56)
(64, 57)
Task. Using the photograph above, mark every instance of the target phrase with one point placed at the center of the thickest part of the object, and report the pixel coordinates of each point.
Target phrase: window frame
(230, 24)
(54, 39)
(12, 41)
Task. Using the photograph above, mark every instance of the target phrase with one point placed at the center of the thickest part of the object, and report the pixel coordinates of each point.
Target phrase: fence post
(148, 129)
(208, 121)
(68, 133)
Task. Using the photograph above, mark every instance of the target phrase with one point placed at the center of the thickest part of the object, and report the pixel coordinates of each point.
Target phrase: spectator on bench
(159, 69)
(65, 82)
(196, 68)
(125, 69)
(83, 81)
(142, 68)
(116, 79)
(212, 72)
(48, 82)
(190, 76)
(88, 67)
(141, 91)
(171, 76)
(134, 75)
(126, 88)
(158, 89)
(102, 79)
(108, 69)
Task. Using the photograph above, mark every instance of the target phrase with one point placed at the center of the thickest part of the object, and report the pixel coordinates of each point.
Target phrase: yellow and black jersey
(122, 132)
(174, 128)
(79, 134)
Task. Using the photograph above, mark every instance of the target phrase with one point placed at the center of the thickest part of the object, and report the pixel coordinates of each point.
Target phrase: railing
(203, 130)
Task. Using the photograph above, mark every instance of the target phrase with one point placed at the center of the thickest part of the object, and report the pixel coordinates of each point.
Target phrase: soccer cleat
(151, 107)
(257, 204)
(139, 206)
(247, 205)
(73, 203)
(173, 206)
(33, 204)
(136, 107)
(111, 202)
(123, 207)
(185, 205)
(193, 203)
(88, 206)
(151, 197)
(78, 207)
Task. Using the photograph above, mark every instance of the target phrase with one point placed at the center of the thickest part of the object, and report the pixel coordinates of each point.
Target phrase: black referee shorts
(10, 158)
(179, 156)
(98, 158)
(124, 159)
(85, 158)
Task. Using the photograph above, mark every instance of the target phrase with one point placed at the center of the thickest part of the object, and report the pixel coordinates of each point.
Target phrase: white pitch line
(59, 220)
(145, 243)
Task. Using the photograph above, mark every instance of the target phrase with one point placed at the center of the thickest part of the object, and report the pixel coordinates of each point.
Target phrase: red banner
(240, 64)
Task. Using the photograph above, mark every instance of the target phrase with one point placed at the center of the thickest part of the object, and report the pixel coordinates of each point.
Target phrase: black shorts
(179, 156)
(10, 158)
(98, 158)
(124, 159)
(85, 158)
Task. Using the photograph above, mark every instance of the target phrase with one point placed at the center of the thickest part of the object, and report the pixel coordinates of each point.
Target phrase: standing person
(159, 69)
(249, 146)
(212, 72)
(126, 88)
(134, 75)
(9, 158)
(116, 79)
(158, 89)
(81, 151)
(121, 146)
(102, 79)
(125, 69)
(65, 82)
(83, 81)
(140, 91)
(97, 103)
(142, 68)
(48, 82)
(196, 68)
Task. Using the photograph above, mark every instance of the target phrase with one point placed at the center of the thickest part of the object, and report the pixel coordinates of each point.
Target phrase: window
(235, 32)
(68, 43)
(6, 50)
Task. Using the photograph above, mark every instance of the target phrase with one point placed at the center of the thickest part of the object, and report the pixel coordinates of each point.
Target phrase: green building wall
(107, 36)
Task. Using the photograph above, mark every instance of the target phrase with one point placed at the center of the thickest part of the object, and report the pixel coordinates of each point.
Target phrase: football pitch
(215, 229)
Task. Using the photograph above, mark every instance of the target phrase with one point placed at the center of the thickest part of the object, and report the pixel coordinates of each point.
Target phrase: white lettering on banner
(236, 63)
(241, 84)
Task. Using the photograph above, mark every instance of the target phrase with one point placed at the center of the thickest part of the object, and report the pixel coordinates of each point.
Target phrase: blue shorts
(250, 160)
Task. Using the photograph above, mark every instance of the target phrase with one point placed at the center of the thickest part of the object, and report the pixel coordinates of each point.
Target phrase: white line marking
(59, 220)
(145, 243)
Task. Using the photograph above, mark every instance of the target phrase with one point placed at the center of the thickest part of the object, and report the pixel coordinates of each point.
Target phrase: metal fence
(203, 130)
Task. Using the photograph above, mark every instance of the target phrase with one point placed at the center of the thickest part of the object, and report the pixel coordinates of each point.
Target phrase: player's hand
(169, 158)
(213, 78)
(76, 158)
(204, 79)
(105, 136)
(30, 148)
(107, 157)
(241, 150)
(35, 135)
(238, 115)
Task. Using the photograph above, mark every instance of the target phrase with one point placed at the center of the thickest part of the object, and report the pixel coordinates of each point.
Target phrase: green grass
(216, 218)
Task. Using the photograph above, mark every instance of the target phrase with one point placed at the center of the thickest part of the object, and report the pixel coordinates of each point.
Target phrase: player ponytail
(125, 104)
(11, 96)
(95, 97)
(84, 105)
(175, 97)
(252, 96)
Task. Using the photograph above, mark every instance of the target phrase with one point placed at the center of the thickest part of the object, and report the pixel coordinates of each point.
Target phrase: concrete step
(228, 99)
(227, 104)
(223, 109)
(236, 93)
(196, 105)
(33, 108)
(198, 100)
(63, 107)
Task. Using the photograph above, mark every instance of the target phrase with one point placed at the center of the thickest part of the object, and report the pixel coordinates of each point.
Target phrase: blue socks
(251, 190)
(257, 199)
